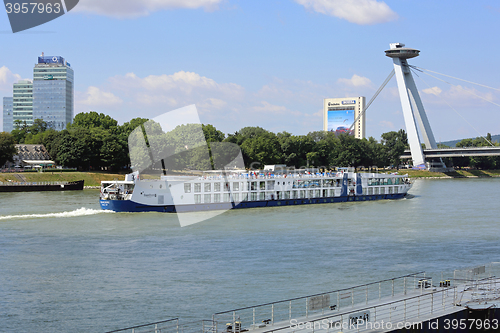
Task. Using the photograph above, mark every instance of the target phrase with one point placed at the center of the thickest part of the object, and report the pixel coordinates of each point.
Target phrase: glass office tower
(7, 114)
(53, 91)
(22, 105)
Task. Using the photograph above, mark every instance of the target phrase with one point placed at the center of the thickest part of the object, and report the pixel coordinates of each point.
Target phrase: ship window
(217, 197)
(236, 197)
(244, 197)
(253, 196)
(236, 186)
(187, 187)
(226, 186)
(262, 186)
(226, 197)
(287, 195)
(197, 187)
(207, 187)
(216, 187)
(295, 194)
(197, 198)
(207, 198)
(253, 186)
(262, 196)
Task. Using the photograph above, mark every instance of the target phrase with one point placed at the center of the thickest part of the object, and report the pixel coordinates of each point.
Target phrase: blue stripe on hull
(130, 206)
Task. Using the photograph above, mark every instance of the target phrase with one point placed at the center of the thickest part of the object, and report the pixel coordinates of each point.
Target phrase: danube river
(66, 266)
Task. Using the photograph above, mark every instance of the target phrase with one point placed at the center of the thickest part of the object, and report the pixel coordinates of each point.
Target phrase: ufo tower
(413, 109)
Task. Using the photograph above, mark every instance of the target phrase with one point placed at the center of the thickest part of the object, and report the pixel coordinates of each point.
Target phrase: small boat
(41, 186)
(223, 190)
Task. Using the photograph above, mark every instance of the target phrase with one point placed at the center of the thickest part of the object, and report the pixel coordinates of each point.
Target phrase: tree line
(95, 141)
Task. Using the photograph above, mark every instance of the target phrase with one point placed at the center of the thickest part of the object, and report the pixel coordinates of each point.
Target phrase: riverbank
(93, 179)
(454, 174)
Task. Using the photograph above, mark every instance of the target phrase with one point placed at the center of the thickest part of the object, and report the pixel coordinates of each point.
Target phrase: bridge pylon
(413, 109)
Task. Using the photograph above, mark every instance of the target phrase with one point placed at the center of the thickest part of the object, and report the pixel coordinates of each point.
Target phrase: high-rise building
(339, 114)
(22, 105)
(53, 91)
(7, 114)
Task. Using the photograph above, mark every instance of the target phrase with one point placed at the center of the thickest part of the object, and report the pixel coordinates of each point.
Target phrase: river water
(65, 265)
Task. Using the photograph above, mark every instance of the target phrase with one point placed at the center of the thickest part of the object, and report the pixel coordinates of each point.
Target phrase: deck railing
(406, 313)
(164, 326)
(319, 304)
(171, 326)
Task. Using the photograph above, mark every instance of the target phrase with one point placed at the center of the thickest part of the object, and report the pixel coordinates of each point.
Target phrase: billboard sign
(339, 121)
(51, 60)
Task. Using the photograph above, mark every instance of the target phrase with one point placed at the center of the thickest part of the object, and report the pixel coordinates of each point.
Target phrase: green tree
(294, 149)
(351, 152)
(262, 149)
(212, 134)
(93, 119)
(395, 144)
(20, 130)
(129, 126)
(38, 126)
(481, 162)
(7, 148)
(77, 149)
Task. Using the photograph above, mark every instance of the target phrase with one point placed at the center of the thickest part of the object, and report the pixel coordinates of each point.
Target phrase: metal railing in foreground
(164, 326)
(404, 313)
(263, 315)
(172, 326)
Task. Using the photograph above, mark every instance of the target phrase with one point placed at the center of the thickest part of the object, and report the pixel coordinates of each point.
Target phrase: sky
(270, 63)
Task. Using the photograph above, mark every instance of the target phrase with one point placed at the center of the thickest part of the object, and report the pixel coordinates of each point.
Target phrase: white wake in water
(75, 213)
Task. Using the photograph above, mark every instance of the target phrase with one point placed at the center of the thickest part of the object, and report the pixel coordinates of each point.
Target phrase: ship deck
(411, 302)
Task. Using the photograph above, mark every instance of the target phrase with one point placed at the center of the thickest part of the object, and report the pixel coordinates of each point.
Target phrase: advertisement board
(51, 60)
(339, 121)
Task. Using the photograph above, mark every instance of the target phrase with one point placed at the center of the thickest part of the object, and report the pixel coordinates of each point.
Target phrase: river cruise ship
(222, 190)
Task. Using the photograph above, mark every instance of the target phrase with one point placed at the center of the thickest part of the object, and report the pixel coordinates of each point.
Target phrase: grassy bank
(95, 178)
(454, 174)
(90, 178)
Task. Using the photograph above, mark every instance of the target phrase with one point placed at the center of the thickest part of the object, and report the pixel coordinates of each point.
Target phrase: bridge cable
(456, 78)
(413, 69)
(451, 84)
(372, 99)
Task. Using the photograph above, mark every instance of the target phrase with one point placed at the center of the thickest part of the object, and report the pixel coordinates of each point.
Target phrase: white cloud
(465, 94)
(433, 91)
(185, 83)
(136, 8)
(212, 103)
(160, 93)
(355, 11)
(267, 108)
(96, 97)
(356, 81)
(7, 79)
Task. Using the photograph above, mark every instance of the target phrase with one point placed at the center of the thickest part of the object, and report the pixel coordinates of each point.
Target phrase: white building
(340, 113)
